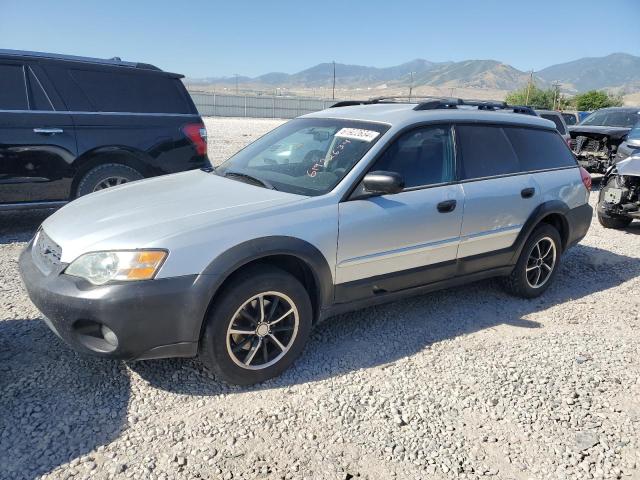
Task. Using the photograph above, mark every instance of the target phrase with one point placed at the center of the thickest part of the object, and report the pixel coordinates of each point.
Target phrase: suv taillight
(197, 133)
(586, 178)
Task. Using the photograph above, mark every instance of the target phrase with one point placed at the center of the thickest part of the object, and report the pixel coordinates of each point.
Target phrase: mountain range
(619, 72)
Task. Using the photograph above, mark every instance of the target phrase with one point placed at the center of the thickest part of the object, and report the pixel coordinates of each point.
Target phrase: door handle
(447, 206)
(527, 192)
(48, 131)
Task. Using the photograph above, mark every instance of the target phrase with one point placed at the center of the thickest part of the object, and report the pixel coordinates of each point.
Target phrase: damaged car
(596, 139)
(619, 201)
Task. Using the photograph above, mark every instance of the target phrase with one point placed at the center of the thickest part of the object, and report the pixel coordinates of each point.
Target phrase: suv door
(499, 196)
(37, 143)
(393, 242)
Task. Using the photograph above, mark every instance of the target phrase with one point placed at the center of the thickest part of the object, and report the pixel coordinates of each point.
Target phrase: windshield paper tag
(358, 134)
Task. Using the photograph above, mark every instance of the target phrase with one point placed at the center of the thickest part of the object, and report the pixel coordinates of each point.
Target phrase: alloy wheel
(110, 182)
(541, 262)
(262, 330)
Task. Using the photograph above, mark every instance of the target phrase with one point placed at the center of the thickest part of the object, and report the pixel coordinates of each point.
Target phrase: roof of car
(115, 61)
(401, 114)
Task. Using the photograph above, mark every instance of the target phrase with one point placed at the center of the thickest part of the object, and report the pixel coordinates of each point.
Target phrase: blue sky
(209, 38)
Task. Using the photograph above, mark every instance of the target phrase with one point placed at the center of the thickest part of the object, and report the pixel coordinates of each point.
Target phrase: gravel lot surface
(466, 383)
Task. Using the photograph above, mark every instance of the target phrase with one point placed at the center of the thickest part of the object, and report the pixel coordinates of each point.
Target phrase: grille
(46, 253)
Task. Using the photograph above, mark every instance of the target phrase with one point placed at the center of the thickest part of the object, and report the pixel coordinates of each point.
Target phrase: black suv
(73, 125)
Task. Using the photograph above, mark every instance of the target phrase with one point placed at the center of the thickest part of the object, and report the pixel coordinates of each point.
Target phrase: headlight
(102, 267)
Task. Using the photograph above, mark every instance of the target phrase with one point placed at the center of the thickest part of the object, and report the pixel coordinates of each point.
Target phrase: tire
(522, 281)
(105, 176)
(611, 221)
(229, 355)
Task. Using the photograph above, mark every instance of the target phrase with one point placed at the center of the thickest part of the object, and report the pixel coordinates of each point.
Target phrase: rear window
(539, 149)
(109, 91)
(485, 151)
(556, 120)
(569, 118)
(13, 94)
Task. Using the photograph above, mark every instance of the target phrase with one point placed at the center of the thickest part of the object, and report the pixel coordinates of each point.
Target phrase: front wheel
(537, 265)
(257, 327)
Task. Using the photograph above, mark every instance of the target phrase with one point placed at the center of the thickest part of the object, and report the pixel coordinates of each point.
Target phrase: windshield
(612, 118)
(634, 134)
(306, 156)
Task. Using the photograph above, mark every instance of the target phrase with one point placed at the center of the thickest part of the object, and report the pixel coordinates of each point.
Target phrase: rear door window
(485, 152)
(13, 92)
(556, 120)
(540, 149)
(138, 92)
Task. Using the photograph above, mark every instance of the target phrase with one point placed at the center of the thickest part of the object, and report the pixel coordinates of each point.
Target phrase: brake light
(197, 133)
(586, 178)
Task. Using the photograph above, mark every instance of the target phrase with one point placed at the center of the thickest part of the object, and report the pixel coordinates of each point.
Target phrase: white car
(333, 211)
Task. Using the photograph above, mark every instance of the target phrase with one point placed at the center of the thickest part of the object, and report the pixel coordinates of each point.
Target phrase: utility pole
(526, 102)
(411, 86)
(556, 95)
(334, 80)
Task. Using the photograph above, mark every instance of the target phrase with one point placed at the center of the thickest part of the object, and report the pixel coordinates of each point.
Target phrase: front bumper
(142, 320)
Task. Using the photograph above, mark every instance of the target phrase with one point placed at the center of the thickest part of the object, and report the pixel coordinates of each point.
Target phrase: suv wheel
(257, 327)
(537, 265)
(105, 176)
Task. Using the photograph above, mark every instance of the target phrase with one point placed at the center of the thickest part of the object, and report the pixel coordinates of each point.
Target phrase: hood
(614, 133)
(141, 214)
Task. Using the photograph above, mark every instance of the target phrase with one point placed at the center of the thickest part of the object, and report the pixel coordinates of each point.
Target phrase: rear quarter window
(485, 152)
(111, 91)
(539, 149)
(13, 93)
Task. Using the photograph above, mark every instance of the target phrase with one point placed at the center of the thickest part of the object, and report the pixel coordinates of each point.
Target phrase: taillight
(197, 133)
(586, 178)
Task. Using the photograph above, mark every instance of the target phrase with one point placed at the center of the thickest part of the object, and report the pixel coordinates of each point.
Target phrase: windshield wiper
(253, 179)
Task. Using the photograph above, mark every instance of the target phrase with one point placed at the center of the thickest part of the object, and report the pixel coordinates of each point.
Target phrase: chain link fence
(262, 106)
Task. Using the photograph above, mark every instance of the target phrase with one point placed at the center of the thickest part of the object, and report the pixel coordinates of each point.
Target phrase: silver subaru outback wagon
(333, 211)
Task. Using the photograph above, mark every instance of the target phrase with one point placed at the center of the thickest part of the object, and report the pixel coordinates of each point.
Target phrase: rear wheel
(608, 220)
(537, 265)
(257, 327)
(106, 176)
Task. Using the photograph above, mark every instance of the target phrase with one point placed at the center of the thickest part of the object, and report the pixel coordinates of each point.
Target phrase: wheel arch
(119, 154)
(554, 213)
(293, 255)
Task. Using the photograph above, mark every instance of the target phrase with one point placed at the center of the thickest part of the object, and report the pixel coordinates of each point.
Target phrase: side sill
(5, 207)
(340, 308)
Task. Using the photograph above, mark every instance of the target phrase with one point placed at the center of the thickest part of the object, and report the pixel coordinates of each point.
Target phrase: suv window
(134, 92)
(13, 95)
(569, 118)
(539, 149)
(485, 152)
(555, 119)
(39, 99)
(423, 156)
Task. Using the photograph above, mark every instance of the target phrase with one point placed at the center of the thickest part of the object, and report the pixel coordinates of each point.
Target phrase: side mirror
(383, 183)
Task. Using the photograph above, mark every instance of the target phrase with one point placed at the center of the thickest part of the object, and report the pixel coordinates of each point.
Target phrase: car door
(499, 196)
(37, 143)
(393, 242)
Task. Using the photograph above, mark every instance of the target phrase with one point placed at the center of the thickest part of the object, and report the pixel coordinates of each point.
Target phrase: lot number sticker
(358, 134)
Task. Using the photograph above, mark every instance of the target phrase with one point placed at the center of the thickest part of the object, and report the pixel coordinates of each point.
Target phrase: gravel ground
(466, 383)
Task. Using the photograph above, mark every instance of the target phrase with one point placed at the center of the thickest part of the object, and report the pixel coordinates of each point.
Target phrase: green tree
(594, 99)
(532, 96)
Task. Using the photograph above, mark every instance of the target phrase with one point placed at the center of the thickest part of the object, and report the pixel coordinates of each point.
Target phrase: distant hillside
(619, 72)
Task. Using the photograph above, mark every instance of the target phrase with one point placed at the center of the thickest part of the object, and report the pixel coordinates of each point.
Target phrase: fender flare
(225, 264)
(541, 211)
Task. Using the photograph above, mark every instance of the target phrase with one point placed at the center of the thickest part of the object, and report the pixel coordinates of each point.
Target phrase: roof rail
(438, 103)
(74, 58)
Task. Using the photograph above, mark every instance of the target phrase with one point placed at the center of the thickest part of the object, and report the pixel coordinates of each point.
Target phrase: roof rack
(439, 103)
(74, 58)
